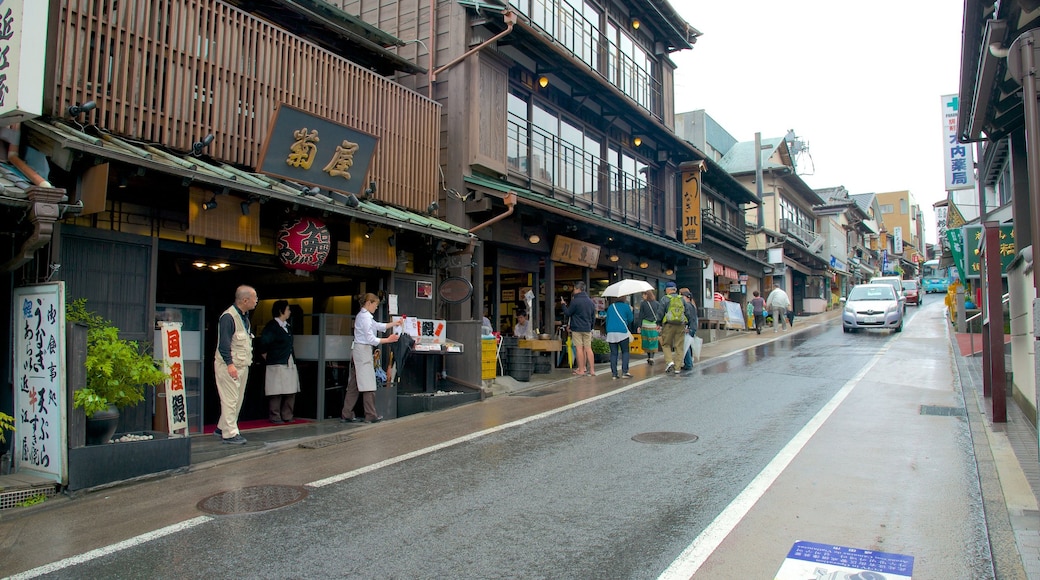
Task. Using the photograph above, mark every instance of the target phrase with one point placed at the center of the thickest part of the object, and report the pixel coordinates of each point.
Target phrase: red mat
(256, 424)
(964, 342)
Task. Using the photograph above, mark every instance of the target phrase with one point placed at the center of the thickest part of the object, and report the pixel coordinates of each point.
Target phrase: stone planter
(101, 426)
(95, 465)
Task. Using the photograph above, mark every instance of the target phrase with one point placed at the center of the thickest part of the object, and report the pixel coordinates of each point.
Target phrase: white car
(872, 306)
(896, 283)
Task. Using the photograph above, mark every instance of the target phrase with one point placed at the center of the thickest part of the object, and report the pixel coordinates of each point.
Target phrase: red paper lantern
(304, 245)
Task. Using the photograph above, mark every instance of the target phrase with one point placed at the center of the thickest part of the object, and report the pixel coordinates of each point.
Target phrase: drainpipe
(510, 19)
(43, 208)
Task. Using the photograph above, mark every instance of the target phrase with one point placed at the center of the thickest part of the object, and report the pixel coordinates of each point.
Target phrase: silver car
(872, 306)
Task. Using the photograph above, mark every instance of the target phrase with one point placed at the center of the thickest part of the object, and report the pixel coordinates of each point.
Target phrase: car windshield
(872, 292)
(909, 284)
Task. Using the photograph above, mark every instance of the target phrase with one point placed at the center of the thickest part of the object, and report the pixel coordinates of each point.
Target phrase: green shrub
(117, 371)
(600, 346)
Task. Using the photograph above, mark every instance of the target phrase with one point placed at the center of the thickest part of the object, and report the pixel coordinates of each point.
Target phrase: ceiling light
(669, 272)
(613, 257)
(534, 238)
(635, 24)
(644, 264)
(637, 141)
(543, 81)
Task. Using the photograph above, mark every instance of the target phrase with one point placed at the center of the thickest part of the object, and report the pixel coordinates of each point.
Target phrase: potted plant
(116, 373)
(600, 350)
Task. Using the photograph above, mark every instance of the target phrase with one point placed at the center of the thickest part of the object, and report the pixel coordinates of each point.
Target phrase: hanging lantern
(304, 244)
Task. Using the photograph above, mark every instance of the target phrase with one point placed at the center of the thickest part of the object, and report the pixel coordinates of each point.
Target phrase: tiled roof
(153, 157)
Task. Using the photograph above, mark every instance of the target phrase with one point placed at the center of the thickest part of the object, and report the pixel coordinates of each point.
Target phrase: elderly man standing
(231, 363)
(778, 303)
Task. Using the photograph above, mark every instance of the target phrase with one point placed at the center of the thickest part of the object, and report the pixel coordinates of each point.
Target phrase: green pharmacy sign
(973, 238)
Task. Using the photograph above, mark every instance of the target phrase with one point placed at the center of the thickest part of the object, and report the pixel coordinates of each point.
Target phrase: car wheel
(900, 327)
(845, 329)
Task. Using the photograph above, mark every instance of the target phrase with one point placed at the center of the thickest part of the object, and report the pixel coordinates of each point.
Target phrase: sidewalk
(1006, 456)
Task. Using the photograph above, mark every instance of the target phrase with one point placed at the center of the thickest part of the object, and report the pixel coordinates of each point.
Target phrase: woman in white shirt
(363, 379)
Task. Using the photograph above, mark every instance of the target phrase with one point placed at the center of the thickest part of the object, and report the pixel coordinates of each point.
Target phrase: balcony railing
(802, 234)
(564, 172)
(736, 233)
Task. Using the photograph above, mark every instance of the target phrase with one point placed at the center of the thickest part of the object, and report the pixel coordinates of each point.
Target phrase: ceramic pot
(101, 426)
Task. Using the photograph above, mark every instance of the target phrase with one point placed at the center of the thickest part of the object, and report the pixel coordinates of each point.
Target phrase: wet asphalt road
(572, 495)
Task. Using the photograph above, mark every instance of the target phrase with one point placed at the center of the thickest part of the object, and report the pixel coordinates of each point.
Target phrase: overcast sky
(861, 83)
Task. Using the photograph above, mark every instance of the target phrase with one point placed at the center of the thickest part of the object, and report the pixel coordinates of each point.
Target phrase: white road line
(694, 556)
(91, 555)
(471, 437)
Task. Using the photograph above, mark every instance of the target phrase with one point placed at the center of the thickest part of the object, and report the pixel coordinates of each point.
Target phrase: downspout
(433, 47)
(43, 208)
(509, 18)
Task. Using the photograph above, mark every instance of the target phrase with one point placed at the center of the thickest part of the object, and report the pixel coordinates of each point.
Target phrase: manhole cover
(325, 441)
(943, 411)
(665, 437)
(257, 498)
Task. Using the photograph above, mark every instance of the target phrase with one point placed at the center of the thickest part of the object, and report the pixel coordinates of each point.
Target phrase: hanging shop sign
(957, 156)
(304, 244)
(726, 271)
(691, 202)
(23, 52)
(308, 149)
(973, 239)
(577, 252)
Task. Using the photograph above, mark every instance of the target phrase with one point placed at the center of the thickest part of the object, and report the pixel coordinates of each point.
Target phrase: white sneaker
(669, 368)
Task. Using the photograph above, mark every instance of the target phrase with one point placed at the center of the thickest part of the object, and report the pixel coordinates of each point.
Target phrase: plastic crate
(488, 368)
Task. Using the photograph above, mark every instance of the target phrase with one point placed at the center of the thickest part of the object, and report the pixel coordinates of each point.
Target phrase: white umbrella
(626, 287)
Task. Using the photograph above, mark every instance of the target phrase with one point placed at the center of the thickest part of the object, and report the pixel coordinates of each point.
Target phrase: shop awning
(567, 210)
(56, 139)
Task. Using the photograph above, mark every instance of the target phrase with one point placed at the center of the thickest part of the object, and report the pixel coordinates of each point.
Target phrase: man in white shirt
(778, 303)
(523, 326)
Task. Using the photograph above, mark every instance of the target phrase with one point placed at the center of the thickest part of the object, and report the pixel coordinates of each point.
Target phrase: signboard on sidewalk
(39, 381)
(173, 363)
(812, 560)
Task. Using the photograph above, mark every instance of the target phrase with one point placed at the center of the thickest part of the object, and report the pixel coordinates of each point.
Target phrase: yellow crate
(487, 369)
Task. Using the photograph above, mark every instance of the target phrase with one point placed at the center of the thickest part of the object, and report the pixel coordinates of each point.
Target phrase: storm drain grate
(326, 441)
(942, 411)
(667, 437)
(257, 498)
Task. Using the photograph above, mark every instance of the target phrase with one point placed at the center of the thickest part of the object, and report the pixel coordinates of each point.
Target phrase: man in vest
(673, 332)
(231, 363)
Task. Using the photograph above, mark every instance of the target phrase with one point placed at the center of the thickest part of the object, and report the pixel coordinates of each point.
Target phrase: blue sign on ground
(812, 560)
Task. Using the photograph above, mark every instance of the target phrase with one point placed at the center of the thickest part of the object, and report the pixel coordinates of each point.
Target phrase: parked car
(872, 306)
(936, 285)
(896, 283)
(911, 291)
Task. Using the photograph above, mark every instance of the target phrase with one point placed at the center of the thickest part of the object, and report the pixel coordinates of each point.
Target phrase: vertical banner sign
(940, 226)
(897, 240)
(22, 58)
(173, 363)
(955, 238)
(691, 202)
(957, 156)
(39, 377)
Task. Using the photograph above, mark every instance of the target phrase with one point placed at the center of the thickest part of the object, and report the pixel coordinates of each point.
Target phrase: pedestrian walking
(649, 327)
(778, 303)
(692, 323)
(758, 310)
(231, 362)
(582, 314)
(619, 318)
(281, 381)
(363, 380)
(673, 327)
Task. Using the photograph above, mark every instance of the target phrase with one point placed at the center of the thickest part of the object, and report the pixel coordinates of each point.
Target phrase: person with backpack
(673, 327)
(692, 323)
(650, 313)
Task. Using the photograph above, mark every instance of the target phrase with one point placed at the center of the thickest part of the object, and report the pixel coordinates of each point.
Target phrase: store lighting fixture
(368, 233)
(543, 81)
(635, 24)
(637, 141)
(613, 256)
(245, 206)
(643, 264)
(371, 191)
(352, 201)
(216, 266)
(198, 146)
(432, 208)
(534, 238)
(78, 109)
(669, 271)
(211, 204)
